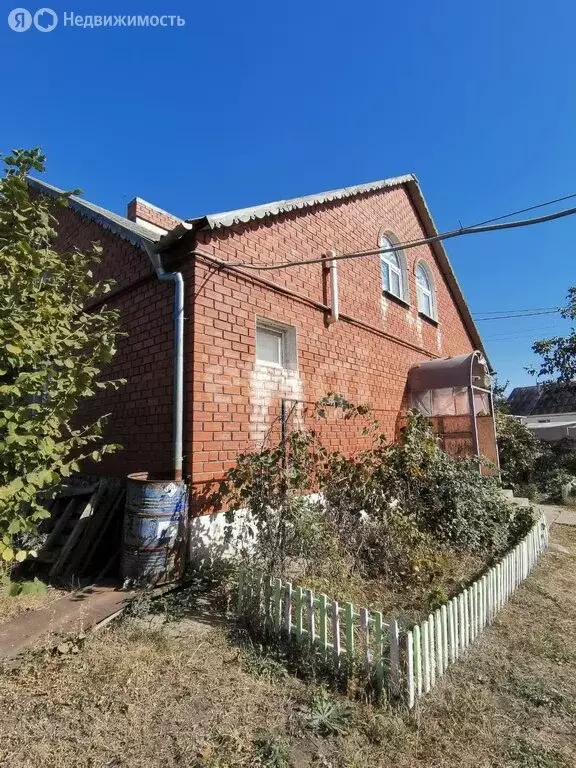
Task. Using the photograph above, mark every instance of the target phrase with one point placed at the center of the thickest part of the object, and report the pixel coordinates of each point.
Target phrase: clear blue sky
(256, 101)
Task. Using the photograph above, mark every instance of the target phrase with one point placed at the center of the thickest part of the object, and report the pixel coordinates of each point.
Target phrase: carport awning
(460, 371)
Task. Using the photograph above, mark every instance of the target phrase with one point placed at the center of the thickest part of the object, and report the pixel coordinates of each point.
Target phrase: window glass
(422, 278)
(392, 280)
(269, 344)
(395, 283)
(425, 304)
(385, 275)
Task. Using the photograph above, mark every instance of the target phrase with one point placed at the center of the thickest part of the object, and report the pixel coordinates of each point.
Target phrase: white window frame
(286, 340)
(429, 292)
(386, 240)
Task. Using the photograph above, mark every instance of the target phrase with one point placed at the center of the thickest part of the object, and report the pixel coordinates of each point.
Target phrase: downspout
(178, 325)
(334, 298)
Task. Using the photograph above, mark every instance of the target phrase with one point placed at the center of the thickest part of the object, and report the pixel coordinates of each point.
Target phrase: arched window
(425, 290)
(393, 266)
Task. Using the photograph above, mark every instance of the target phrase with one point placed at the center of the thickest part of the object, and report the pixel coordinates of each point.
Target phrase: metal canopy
(460, 371)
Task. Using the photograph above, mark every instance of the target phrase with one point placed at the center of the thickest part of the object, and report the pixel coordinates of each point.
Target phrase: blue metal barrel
(153, 549)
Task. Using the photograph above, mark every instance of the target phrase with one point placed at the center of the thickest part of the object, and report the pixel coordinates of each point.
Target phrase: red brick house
(253, 338)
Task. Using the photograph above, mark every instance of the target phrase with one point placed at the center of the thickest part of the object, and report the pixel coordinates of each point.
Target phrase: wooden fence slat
(467, 616)
(452, 636)
(490, 595)
(365, 627)
(417, 647)
(276, 607)
(288, 608)
(478, 627)
(425, 654)
(336, 630)
(461, 622)
(299, 594)
(349, 630)
(410, 669)
(395, 682)
(431, 644)
(310, 604)
(323, 622)
(444, 615)
(439, 643)
(378, 648)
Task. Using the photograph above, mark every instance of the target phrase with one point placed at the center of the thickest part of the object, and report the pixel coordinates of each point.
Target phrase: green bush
(390, 512)
(519, 451)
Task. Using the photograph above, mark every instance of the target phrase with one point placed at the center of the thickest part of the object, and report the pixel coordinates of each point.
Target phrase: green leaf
(13, 349)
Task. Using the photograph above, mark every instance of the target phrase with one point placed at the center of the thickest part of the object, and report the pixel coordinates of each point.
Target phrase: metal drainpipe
(178, 324)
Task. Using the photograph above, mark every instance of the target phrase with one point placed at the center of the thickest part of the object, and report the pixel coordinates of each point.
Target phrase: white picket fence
(408, 662)
(445, 635)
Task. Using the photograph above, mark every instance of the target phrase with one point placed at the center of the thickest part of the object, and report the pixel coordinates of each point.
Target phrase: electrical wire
(400, 246)
(511, 317)
(521, 333)
(525, 210)
(504, 311)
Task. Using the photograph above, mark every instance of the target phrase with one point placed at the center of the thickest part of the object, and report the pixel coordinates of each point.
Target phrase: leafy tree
(559, 353)
(51, 353)
(499, 396)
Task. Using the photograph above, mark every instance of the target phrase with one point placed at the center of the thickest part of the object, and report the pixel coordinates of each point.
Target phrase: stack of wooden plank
(80, 516)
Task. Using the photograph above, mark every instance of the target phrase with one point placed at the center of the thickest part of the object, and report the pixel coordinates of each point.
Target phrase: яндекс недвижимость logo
(21, 20)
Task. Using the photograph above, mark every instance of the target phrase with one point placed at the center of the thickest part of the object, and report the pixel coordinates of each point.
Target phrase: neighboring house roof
(543, 398)
(120, 225)
(141, 236)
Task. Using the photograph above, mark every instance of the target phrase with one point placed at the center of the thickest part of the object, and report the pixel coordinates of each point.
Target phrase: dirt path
(137, 695)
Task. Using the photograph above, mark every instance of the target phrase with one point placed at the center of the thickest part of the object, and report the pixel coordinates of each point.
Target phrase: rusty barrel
(153, 546)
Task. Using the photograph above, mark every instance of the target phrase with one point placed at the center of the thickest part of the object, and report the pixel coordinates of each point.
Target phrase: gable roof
(541, 399)
(267, 210)
(142, 236)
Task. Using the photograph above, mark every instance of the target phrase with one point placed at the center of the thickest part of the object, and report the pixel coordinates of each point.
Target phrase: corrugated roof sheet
(120, 225)
(244, 215)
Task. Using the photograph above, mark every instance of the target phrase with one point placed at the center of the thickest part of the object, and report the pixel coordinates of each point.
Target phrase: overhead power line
(525, 210)
(513, 311)
(521, 334)
(401, 246)
(511, 317)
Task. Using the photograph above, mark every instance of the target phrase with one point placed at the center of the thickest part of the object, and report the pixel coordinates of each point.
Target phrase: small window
(275, 344)
(425, 290)
(393, 270)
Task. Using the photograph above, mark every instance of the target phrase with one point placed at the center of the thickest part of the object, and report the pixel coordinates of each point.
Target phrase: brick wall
(230, 400)
(141, 410)
(364, 356)
(138, 209)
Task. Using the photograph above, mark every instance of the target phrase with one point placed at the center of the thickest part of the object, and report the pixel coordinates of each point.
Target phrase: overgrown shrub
(519, 451)
(390, 512)
(531, 467)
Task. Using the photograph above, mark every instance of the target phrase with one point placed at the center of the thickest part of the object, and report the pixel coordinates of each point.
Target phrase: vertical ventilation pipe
(334, 305)
(178, 325)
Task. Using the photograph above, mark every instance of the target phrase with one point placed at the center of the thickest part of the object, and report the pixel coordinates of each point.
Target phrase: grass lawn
(140, 694)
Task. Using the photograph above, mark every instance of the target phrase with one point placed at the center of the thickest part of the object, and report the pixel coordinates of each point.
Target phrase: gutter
(178, 325)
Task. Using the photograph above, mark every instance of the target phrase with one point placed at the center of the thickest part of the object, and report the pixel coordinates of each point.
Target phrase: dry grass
(139, 696)
(12, 606)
